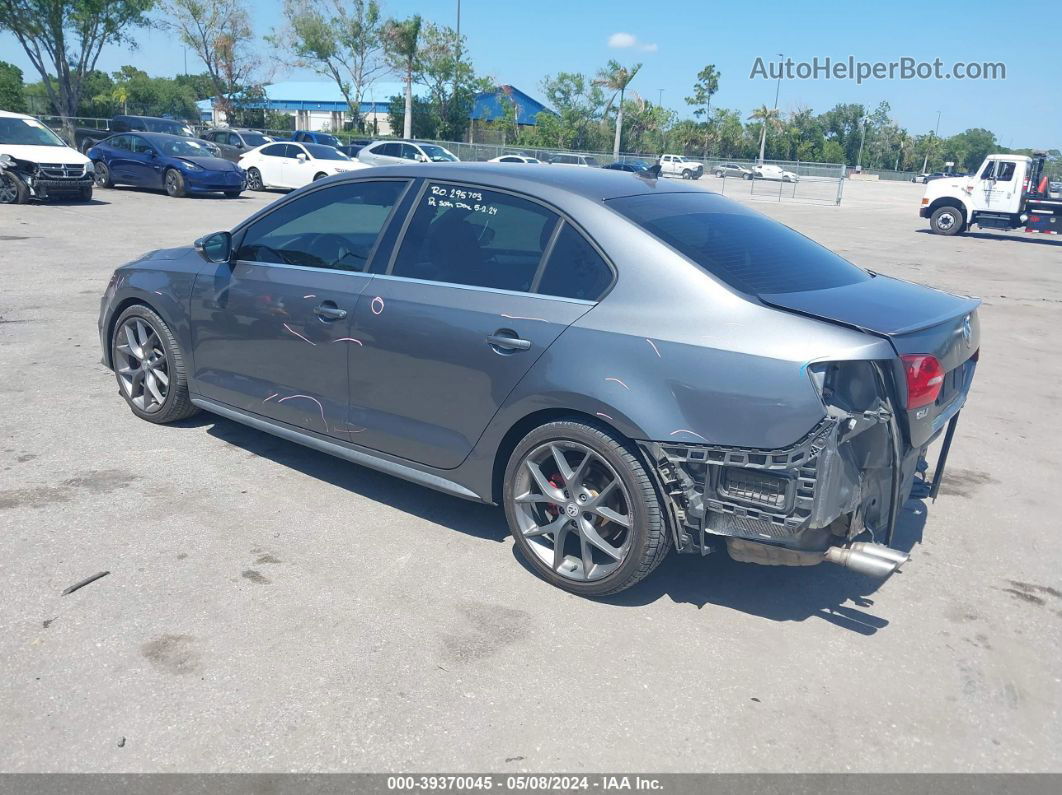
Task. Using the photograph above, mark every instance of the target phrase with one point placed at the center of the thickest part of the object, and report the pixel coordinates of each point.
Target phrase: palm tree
(402, 39)
(617, 78)
(770, 118)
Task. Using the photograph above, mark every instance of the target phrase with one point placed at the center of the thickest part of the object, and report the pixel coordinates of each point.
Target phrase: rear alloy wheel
(174, 182)
(582, 509)
(254, 179)
(946, 220)
(103, 175)
(12, 189)
(148, 364)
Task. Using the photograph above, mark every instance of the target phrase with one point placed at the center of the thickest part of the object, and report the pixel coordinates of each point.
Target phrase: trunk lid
(916, 320)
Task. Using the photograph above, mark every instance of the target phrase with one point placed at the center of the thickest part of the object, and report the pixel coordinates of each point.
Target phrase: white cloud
(622, 41)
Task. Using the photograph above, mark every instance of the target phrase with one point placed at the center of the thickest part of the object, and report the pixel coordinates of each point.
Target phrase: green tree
(843, 124)
(451, 82)
(63, 40)
(402, 45)
(423, 122)
(12, 95)
(340, 42)
(616, 77)
(580, 104)
(707, 84)
(220, 33)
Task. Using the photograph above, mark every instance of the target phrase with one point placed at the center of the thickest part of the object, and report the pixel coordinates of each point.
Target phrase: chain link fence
(774, 180)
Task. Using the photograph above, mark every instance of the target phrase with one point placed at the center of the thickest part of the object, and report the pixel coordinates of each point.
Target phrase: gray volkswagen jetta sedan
(625, 364)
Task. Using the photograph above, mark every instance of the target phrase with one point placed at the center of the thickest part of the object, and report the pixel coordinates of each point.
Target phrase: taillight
(925, 377)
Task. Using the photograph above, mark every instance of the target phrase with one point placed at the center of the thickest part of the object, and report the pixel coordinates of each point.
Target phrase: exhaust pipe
(874, 560)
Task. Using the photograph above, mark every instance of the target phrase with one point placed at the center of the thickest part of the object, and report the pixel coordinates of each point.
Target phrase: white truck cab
(1006, 192)
(680, 166)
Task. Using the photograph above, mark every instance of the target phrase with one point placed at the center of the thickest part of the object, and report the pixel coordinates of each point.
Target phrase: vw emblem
(967, 330)
(571, 509)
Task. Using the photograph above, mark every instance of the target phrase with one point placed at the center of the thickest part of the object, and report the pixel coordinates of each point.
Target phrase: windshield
(189, 148)
(328, 140)
(325, 152)
(27, 132)
(170, 127)
(437, 154)
(257, 139)
(746, 250)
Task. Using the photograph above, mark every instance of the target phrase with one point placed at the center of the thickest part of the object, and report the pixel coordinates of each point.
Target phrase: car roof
(157, 137)
(592, 183)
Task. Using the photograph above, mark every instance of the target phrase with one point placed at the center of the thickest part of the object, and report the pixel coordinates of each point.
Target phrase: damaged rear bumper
(800, 505)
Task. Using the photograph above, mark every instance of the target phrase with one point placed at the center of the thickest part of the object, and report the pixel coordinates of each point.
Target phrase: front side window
(139, 145)
(473, 236)
(747, 251)
(989, 168)
(335, 227)
(409, 152)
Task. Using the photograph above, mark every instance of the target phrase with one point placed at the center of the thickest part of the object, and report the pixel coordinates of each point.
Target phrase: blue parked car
(316, 137)
(174, 163)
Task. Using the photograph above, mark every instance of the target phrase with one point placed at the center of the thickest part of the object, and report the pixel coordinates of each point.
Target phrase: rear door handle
(507, 340)
(329, 311)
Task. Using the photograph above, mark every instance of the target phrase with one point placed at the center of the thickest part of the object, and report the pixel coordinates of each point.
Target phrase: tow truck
(1006, 192)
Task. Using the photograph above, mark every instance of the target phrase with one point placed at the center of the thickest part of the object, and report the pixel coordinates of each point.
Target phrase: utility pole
(778, 85)
(936, 132)
(457, 54)
(862, 140)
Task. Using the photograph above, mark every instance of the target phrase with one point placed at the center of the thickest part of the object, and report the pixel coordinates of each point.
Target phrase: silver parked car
(624, 364)
(388, 153)
(732, 170)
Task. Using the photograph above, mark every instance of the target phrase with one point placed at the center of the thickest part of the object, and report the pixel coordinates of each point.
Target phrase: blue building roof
(487, 105)
(320, 95)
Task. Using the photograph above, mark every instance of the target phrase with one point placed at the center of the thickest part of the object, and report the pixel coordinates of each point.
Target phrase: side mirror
(422, 158)
(301, 157)
(215, 248)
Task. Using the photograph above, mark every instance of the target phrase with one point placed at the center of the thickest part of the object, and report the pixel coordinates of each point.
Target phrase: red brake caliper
(557, 482)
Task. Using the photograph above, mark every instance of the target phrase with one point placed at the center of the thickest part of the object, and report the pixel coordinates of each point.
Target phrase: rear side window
(276, 150)
(334, 227)
(747, 251)
(574, 269)
(477, 237)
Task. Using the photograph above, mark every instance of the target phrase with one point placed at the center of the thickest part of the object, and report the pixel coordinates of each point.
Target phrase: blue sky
(518, 43)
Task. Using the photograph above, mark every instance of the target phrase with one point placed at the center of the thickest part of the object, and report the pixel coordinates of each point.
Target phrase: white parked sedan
(514, 159)
(286, 164)
(774, 172)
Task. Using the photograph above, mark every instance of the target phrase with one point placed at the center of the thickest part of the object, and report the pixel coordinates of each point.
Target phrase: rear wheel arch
(535, 419)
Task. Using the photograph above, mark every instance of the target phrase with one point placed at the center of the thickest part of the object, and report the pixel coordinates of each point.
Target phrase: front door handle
(507, 341)
(329, 311)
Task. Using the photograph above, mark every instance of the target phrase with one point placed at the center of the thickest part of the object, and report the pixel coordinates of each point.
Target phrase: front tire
(947, 220)
(254, 179)
(12, 189)
(687, 174)
(174, 182)
(149, 366)
(86, 194)
(232, 194)
(585, 488)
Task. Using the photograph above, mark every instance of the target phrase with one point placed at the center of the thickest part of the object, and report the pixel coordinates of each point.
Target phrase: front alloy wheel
(254, 179)
(141, 365)
(582, 509)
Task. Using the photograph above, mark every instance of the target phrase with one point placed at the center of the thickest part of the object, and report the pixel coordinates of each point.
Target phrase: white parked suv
(680, 166)
(287, 164)
(35, 162)
(389, 153)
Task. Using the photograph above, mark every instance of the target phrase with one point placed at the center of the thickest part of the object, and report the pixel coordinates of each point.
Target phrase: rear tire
(630, 536)
(149, 364)
(103, 175)
(174, 182)
(947, 220)
(12, 189)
